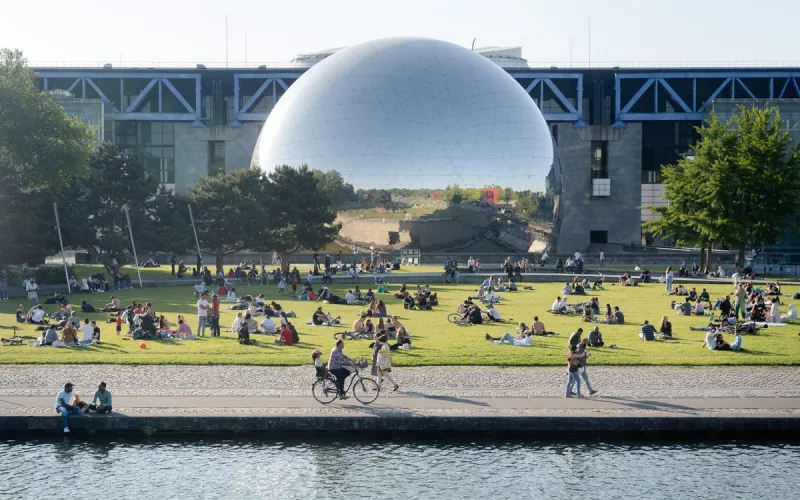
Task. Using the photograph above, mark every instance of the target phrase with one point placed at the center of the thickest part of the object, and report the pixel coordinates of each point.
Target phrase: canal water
(383, 466)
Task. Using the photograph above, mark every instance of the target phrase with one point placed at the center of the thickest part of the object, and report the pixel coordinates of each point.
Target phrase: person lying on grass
(323, 318)
(522, 339)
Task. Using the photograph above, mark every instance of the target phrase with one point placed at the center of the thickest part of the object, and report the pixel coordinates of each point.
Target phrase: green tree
(527, 205)
(92, 209)
(232, 212)
(41, 149)
(300, 215)
(742, 187)
(334, 186)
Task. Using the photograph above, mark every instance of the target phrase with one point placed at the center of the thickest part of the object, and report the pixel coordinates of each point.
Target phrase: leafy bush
(51, 275)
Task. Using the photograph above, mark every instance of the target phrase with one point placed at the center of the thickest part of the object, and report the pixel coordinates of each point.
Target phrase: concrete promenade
(246, 398)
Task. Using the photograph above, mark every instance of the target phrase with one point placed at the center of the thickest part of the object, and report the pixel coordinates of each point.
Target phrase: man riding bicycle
(336, 366)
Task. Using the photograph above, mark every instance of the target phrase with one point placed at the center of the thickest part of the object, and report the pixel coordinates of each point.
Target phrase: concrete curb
(403, 422)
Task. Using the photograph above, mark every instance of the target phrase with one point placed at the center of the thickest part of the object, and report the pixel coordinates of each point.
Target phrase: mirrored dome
(410, 113)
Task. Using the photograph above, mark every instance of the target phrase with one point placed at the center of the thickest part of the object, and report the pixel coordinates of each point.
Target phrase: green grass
(436, 342)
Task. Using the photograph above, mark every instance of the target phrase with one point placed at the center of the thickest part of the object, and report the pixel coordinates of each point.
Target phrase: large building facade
(614, 128)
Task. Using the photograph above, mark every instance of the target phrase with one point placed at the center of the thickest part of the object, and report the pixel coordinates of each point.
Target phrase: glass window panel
(168, 152)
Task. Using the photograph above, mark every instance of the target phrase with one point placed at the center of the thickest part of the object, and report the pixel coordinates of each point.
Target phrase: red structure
(490, 195)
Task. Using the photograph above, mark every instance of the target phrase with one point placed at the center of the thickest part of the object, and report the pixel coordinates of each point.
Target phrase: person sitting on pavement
(68, 404)
(648, 332)
(522, 339)
(103, 397)
(596, 338)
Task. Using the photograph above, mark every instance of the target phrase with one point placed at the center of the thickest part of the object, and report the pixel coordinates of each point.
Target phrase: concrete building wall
(580, 211)
(239, 152)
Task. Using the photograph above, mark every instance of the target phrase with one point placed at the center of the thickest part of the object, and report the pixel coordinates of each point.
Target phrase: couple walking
(576, 362)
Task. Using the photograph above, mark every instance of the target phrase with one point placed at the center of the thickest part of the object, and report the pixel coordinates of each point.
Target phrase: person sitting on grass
(473, 315)
(588, 315)
(578, 289)
(684, 308)
(648, 332)
(559, 307)
(737, 342)
(268, 325)
(567, 290)
(403, 338)
(619, 318)
(522, 328)
(539, 329)
(237, 322)
(492, 314)
(113, 306)
(699, 309)
(710, 341)
(286, 337)
(791, 315)
(522, 339)
(408, 302)
(665, 329)
(69, 335)
(359, 325)
(512, 286)
(184, 331)
(721, 345)
(37, 316)
(596, 338)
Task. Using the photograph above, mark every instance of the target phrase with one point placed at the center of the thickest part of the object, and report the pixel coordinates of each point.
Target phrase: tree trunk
(284, 256)
(709, 253)
(740, 259)
(702, 257)
(219, 261)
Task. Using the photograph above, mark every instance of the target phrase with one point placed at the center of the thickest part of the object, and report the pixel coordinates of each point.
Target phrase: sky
(556, 31)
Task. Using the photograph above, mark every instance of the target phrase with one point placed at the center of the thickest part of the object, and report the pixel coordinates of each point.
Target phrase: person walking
(741, 301)
(384, 361)
(202, 315)
(668, 279)
(602, 259)
(572, 372)
(214, 313)
(582, 349)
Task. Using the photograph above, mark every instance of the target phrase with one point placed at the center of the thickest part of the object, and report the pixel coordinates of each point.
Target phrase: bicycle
(352, 335)
(365, 389)
(458, 319)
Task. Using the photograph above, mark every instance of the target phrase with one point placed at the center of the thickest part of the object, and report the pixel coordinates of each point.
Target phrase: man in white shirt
(202, 315)
(556, 308)
(602, 259)
(492, 314)
(33, 292)
(350, 297)
(523, 339)
(69, 404)
(87, 331)
(310, 278)
(37, 315)
(577, 255)
(268, 325)
(711, 339)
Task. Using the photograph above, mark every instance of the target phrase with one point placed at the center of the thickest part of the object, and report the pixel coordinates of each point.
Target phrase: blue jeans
(65, 413)
(585, 377)
(573, 379)
(201, 326)
(669, 284)
(506, 339)
(34, 301)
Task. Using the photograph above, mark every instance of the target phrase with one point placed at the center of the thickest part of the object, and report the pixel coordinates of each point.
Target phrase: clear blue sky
(194, 31)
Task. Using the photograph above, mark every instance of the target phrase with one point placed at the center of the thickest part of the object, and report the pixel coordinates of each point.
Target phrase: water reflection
(382, 466)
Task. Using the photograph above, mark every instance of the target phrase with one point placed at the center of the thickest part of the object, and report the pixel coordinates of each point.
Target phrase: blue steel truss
(161, 81)
(690, 106)
(572, 112)
(244, 112)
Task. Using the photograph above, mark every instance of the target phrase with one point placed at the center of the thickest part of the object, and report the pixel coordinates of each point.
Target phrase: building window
(598, 237)
(216, 158)
(651, 177)
(598, 160)
(153, 143)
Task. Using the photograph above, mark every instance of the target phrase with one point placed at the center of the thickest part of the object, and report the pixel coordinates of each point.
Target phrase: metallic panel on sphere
(410, 113)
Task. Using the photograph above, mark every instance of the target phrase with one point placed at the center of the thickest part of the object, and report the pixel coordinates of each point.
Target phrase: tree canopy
(741, 187)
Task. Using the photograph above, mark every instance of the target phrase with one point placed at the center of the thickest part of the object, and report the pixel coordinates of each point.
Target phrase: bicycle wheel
(366, 390)
(455, 318)
(324, 390)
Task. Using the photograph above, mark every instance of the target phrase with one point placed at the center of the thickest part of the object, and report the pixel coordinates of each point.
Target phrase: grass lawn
(435, 341)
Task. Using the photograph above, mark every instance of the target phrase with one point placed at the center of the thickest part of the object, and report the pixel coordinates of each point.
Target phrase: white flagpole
(133, 245)
(61, 242)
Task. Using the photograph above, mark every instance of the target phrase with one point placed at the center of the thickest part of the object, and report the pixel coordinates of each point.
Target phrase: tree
(41, 149)
(741, 187)
(232, 211)
(527, 205)
(334, 186)
(300, 214)
(92, 209)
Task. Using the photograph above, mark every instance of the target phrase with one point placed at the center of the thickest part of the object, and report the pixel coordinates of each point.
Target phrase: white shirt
(87, 331)
(602, 255)
(566, 290)
(528, 340)
(237, 323)
(259, 300)
(37, 315)
(202, 304)
(556, 305)
(699, 307)
(577, 255)
(711, 341)
(32, 290)
(350, 298)
(268, 325)
(494, 313)
(310, 278)
(65, 396)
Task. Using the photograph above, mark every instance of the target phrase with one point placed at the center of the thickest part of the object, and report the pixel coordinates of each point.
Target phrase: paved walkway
(468, 391)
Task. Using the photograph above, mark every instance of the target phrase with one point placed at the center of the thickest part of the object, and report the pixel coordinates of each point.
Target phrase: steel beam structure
(156, 79)
(541, 80)
(690, 105)
(242, 112)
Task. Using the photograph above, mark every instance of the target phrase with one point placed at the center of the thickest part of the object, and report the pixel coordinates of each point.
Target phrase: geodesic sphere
(410, 113)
